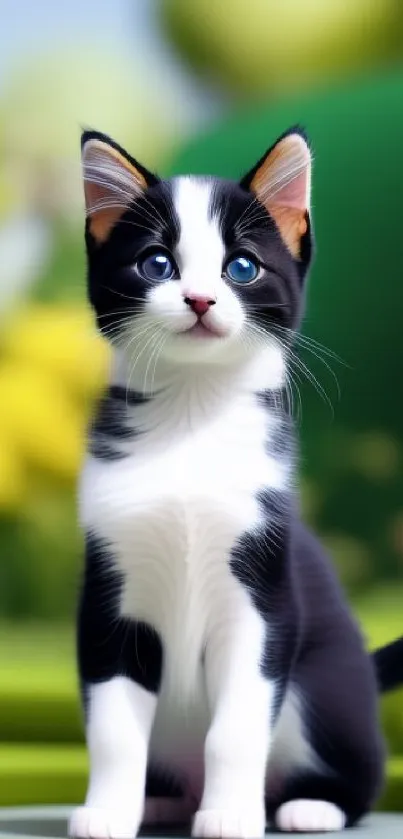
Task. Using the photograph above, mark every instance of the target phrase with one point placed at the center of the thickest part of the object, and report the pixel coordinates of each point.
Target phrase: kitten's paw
(308, 815)
(94, 823)
(229, 824)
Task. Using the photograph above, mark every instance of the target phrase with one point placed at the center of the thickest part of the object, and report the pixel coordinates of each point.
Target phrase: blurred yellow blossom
(41, 420)
(52, 363)
(61, 341)
(12, 477)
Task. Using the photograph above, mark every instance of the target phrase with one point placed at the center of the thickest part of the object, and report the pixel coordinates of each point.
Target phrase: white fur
(172, 511)
(119, 725)
(304, 815)
(239, 737)
(200, 248)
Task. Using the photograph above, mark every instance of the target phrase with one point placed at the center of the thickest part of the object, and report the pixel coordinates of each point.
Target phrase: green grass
(380, 615)
(38, 685)
(39, 774)
(392, 797)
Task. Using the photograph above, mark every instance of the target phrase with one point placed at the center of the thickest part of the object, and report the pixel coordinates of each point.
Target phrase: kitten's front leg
(120, 715)
(120, 668)
(238, 741)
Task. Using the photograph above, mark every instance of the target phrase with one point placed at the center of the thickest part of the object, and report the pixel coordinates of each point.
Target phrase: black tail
(388, 663)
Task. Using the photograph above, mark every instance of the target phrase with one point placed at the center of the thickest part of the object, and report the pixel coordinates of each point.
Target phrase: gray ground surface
(52, 822)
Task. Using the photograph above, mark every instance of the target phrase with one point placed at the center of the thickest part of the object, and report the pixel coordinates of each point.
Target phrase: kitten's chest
(175, 489)
(171, 514)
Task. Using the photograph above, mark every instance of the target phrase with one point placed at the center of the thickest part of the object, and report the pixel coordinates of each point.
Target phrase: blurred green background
(203, 86)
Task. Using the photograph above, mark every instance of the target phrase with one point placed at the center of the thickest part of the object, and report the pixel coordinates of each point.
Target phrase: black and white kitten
(224, 680)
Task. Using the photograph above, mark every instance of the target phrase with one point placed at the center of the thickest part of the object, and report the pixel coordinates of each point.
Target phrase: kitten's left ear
(281, 181)
(112, 182)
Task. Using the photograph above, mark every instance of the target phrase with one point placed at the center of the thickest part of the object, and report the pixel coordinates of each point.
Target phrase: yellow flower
(41, 421)
(12, 477)
(61, 341)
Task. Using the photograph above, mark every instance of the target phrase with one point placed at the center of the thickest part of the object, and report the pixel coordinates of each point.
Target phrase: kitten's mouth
(201, 330)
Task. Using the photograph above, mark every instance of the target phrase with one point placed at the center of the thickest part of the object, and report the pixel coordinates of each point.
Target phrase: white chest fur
(172, 510)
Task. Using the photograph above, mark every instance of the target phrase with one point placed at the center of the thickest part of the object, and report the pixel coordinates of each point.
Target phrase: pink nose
(199, 305)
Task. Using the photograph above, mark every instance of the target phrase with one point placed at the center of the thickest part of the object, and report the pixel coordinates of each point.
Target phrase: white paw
(307, 815)
(229, 824)
(94, 823)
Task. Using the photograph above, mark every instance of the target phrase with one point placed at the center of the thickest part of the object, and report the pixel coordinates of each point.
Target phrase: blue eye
(157, 266)
(242, 270)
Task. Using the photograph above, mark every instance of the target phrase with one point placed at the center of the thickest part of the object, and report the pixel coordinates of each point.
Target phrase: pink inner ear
(294, 194)
(284, 178)
(282, 184)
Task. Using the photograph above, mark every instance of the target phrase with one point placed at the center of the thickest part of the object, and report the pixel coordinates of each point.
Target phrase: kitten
(224, 680)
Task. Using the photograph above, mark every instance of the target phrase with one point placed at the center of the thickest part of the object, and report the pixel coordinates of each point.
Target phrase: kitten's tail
(388, 663)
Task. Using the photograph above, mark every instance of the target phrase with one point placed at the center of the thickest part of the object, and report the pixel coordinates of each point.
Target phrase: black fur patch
(130, 397)
(276, 401)
(161, 783)
(109, 645)
(116, 290)
(110, 425)
(313, 646)
(388, 662)
(333, 676)
(280, 443)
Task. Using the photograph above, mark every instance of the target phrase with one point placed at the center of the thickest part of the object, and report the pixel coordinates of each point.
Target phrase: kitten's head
(197, 269)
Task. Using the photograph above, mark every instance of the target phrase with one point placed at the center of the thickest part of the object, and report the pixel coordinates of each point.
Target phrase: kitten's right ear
(281, 181)
(112, 181)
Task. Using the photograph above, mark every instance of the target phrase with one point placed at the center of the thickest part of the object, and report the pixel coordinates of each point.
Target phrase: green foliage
(391, 799)
(41, 557)
(64, 277)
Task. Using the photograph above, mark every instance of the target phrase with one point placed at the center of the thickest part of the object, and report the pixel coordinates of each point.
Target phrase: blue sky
(29, 27)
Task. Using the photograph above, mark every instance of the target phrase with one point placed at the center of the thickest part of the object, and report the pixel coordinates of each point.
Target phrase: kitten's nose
(199, 305)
